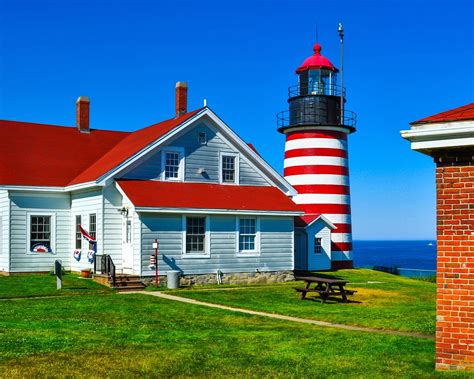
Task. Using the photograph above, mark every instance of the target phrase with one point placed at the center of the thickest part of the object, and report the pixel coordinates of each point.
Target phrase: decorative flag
(87, 236)
(91, 255)
(77, 254)
(41, 248)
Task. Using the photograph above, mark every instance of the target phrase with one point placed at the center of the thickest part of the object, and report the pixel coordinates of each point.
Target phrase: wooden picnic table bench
(324, 287)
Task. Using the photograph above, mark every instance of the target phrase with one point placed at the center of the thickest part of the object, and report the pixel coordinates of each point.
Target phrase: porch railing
(103, 264)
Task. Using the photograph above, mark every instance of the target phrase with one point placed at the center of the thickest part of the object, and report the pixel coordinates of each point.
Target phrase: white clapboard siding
(4, 231)
(85, 204)
(22, 204)
(112, 241)
(197, 156)
(276, 242)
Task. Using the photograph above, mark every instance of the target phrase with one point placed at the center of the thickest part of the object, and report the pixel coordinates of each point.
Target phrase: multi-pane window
(40, 231)
(318, 247)
(247, 234)
(93, 225)
(78, 232)
(171, 165)
(228, 169)
(195, 235)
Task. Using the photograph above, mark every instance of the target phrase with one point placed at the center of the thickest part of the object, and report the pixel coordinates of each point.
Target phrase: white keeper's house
(212, 202)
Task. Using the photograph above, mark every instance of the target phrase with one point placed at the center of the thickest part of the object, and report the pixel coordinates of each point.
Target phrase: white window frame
(172, 149)
(321, 246)
(207, 238)
(247, 253)
(237, 165)
(74, 231)
(28, 231)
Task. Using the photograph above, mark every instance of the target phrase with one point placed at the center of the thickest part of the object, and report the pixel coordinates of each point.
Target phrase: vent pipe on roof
(181, 98)
(82, 114)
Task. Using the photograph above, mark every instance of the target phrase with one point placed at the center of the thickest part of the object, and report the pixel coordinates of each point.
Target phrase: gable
(198, 156)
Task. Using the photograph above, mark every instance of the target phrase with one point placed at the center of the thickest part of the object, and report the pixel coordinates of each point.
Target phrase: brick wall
(455, 271)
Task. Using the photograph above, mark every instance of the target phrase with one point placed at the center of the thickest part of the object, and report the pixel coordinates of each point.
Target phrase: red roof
(466, 112)
(159, 194)
(316, 61)
(304, 221)
(49, 155)
(52, 155)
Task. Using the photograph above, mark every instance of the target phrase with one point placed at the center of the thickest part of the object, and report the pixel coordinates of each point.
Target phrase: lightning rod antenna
(340, 30)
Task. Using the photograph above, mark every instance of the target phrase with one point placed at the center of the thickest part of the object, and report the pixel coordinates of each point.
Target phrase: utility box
(172, 279)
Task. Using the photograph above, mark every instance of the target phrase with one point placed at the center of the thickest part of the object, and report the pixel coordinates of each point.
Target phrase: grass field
(101, 333)
(383, 301)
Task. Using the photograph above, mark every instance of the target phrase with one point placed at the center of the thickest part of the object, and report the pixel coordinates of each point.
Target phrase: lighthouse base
(340, 265)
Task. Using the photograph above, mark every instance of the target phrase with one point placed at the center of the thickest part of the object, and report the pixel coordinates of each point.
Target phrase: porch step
(123, 282)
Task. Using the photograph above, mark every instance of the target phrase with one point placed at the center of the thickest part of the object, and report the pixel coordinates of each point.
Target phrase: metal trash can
(172, 279)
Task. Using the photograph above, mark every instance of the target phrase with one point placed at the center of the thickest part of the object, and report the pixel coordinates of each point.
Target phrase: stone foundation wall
(229, 278)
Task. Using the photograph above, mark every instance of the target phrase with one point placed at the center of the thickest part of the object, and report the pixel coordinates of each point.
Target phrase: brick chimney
(82, 114)
(181, 98)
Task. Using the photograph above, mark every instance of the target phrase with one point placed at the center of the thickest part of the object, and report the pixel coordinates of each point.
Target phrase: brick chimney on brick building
(448, 137)
(82, 114)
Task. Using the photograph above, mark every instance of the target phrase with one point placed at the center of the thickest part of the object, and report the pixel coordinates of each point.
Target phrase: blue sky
(404, 60)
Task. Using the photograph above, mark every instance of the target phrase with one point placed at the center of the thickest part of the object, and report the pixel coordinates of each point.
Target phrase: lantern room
(317, 75)
(317, 99)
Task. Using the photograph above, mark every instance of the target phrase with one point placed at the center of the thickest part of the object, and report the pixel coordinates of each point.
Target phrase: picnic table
(324, 287)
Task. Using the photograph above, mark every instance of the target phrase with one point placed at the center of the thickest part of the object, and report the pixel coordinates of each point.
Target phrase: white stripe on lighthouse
(314, 143)
(318, 179)
(313, 161)
(338, 218)
(341, 237)
(319, 198)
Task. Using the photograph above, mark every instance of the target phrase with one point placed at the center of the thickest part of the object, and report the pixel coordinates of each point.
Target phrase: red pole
(156, 263)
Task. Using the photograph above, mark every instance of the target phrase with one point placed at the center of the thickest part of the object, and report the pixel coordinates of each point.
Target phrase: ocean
(418, 255)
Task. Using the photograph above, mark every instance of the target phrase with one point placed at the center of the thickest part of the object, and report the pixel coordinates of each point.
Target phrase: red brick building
(448, 137)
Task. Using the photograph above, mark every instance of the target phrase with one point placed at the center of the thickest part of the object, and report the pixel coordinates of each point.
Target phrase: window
(229, 168)
(247, 234)
(93, 226)
(128, 231)
(78, 233)
(318, 248)
(40, 233)
(172, 163)
(202, 138)
(195, 235)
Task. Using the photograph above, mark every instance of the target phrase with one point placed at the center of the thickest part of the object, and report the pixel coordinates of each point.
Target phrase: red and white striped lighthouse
(316, 159)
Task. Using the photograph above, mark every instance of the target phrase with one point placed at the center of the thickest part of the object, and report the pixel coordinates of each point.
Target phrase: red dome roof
(316, 61)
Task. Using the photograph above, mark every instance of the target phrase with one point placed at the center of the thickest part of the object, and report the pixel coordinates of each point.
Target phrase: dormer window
(229, 168)
(172, 160)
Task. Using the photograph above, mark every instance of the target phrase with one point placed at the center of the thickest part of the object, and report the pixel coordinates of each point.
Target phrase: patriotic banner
(86, 235)
(77, 254)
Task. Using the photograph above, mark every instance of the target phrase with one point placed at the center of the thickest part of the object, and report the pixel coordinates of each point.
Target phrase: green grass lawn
(104, 334)
(392, 302)
(32, 285)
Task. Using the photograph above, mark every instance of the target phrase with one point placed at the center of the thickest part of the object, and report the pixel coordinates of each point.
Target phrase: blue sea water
(401, 254)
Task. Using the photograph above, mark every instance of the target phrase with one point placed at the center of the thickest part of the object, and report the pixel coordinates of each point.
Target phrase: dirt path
(281, 317)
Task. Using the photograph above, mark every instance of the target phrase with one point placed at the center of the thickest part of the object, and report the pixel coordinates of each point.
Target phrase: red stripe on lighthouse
(322, 188)
(325, 134)
(319, 169)
(326, 152)
(342, 246)
(342, 228)
(326, 208)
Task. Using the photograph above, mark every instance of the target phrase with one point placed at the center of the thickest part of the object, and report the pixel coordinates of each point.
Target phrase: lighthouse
(316, 127)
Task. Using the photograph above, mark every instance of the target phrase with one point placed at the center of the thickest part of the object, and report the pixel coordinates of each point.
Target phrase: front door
(127, 245)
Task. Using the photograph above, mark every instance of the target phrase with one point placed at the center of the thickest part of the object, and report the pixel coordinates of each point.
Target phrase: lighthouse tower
(316, 160)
